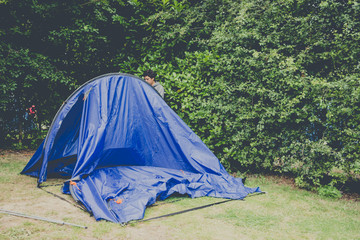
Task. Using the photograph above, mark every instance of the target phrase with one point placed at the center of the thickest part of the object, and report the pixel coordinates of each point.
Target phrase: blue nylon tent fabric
(118, 124)
(136, 187)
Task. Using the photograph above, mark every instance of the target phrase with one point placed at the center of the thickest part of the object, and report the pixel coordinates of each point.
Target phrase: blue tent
(122, 148)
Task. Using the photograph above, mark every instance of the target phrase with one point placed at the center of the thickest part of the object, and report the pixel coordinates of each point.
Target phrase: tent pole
(40, 218)
(187, 210)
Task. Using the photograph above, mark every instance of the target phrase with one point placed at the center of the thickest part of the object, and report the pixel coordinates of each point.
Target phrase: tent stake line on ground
(39, 218)
(186, 210)
(195, 208)
(123, 148)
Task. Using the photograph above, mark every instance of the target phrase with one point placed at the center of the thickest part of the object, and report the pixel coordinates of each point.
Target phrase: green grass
(285, 212)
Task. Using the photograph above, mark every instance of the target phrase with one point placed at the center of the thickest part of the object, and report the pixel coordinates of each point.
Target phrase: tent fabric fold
(135, 187)
(118, 139)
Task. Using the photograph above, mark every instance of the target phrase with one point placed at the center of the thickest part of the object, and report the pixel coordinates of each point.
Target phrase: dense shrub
(27, 79)
(270, 86)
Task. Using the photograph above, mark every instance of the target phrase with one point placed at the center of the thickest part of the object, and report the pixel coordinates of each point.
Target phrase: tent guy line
(187, 210)
(56, 195)
(197, 208)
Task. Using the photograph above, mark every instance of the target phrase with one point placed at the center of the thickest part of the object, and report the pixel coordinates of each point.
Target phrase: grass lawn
(285, 212)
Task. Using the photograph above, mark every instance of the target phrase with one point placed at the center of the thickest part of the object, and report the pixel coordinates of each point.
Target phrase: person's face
(149, 80)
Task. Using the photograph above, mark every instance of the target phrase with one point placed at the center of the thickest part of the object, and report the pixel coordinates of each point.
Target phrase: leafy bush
(269, 86)
(27, 79)
(329, 191)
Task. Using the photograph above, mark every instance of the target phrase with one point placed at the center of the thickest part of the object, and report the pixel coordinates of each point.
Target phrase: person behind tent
(149, 77)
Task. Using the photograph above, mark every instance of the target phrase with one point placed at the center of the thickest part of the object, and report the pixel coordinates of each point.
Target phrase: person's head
(149, 77)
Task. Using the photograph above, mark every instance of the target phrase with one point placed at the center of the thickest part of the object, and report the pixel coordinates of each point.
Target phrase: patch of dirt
(26, 152)
(351, 197)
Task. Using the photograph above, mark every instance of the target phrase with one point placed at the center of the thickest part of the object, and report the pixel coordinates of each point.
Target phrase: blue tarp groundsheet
(122, 148)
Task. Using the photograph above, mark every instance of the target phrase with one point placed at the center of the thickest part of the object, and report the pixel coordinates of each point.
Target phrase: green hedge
(269, 86)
